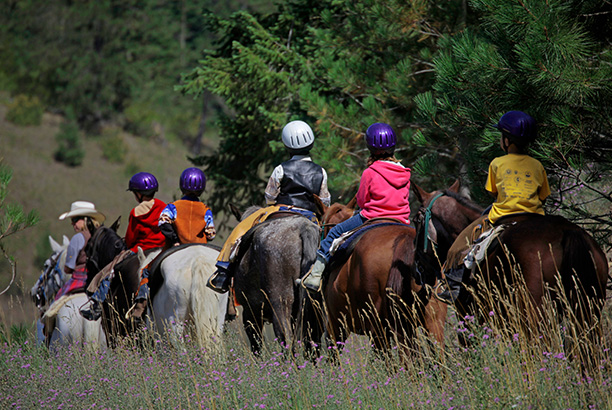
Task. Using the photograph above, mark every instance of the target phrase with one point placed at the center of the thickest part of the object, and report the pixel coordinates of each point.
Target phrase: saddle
(485, 237)
(242, 244)
(156, 279)
(343, 246)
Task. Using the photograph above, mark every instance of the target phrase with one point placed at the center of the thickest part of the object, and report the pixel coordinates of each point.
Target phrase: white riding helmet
(297, 135)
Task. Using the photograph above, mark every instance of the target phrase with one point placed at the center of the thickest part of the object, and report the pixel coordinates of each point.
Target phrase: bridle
(427, 216)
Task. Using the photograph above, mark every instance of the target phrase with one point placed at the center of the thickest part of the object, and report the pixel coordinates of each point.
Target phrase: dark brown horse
(534, 259)
(377, 292)
(101, 249)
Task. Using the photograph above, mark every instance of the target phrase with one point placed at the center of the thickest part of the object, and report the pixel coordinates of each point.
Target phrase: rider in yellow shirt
(516, 180)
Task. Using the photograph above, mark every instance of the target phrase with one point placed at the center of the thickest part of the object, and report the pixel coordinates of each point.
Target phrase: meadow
(496, 371)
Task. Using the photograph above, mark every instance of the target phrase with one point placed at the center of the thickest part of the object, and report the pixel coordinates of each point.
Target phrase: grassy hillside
(41, 183)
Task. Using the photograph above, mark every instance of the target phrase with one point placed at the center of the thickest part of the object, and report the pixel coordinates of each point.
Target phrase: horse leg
(253, 327)
(310, 324)
(435, 317)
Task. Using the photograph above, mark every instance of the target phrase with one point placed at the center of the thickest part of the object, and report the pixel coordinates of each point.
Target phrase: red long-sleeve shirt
(143, 230)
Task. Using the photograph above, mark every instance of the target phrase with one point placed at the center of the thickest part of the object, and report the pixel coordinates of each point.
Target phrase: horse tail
(207, 306)
(579, 275)
(310, 244)
(402, 265)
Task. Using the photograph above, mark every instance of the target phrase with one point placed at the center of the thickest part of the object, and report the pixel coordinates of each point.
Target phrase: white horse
(184, 300)
(64, 323)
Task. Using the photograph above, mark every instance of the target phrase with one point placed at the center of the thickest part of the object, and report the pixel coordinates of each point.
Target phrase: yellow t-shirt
(520, 183)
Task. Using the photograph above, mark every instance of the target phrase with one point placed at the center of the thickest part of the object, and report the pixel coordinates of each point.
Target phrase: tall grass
(523, 371)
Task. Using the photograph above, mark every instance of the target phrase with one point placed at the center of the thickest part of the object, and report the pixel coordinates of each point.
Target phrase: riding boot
(140, 306)
(93, 312)
(220, 281)
(454, 278)
(312, 280)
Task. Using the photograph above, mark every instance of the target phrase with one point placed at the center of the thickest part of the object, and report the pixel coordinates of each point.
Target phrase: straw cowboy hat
(83, 208)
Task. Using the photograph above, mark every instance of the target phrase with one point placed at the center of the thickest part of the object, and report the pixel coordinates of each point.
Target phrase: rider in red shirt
(142, 232)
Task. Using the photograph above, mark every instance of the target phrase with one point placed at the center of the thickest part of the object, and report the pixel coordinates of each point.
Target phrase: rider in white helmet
(290, 187)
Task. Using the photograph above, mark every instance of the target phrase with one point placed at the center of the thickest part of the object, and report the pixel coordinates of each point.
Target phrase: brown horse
(376, 291)
(535, 258)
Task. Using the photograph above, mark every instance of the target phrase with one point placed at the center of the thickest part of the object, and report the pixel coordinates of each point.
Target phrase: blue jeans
(351, 223)
(100, 294)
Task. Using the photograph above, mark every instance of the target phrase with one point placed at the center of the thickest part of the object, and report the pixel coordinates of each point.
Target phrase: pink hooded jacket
(384, 191)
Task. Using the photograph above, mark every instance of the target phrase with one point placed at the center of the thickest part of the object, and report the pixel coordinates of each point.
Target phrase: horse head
(52, 276)
(102, 247)
(336, 213)
(441, 218)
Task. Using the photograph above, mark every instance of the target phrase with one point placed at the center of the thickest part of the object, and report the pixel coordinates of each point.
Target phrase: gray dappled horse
(272, 256)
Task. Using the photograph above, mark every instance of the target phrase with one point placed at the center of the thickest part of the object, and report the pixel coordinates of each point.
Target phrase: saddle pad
(343, 246)
(243, 243)
(156, 280)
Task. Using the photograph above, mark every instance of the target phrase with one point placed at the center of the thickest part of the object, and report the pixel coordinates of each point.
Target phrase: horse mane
(102, 248)
(468, 203)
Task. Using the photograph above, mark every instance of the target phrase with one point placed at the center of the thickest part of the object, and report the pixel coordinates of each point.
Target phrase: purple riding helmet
(519, 126)
(193, 180)
(143, 181)
(380, 138)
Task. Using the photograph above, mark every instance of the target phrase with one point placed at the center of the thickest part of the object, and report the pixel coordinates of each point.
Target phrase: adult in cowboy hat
(81, 212)
(83, 208)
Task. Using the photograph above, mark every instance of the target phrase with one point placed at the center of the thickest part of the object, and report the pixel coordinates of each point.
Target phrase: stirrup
(219, 287)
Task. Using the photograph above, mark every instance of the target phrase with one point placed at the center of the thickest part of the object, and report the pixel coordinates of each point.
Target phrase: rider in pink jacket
(384, 190)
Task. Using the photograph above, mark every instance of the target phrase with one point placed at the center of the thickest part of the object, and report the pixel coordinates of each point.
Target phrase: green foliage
(12, 219)
(25, 110)
(113, 146)
(15, 335)
(340, 66)
(551, 59)
(70, 149)
(101, 56)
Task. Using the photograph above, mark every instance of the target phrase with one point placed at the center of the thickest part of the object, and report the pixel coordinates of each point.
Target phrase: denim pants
(351, 223)
(100, 294)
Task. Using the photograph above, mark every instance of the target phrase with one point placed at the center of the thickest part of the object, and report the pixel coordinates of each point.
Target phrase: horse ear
(116, 224)
(352, 203)
(235, 211)
(55, 247)
(321, 208)
(420, 193)
(141, 255)
(455, 187)
(66, 241)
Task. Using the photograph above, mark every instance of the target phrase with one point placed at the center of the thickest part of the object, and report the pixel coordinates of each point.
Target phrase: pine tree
(550, 59)
(340, 66)
(12, 218)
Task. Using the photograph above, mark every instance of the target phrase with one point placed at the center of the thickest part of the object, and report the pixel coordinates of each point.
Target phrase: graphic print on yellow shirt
(520, 183)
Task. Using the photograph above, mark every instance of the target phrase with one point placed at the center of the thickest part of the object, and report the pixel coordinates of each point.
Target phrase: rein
(428, 218)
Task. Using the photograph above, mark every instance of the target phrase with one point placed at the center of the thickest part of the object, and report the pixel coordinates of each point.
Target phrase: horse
(272, 256)
(101, 249)
(376, 291)
(60, 323)
(183, 300)
(534, 259)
